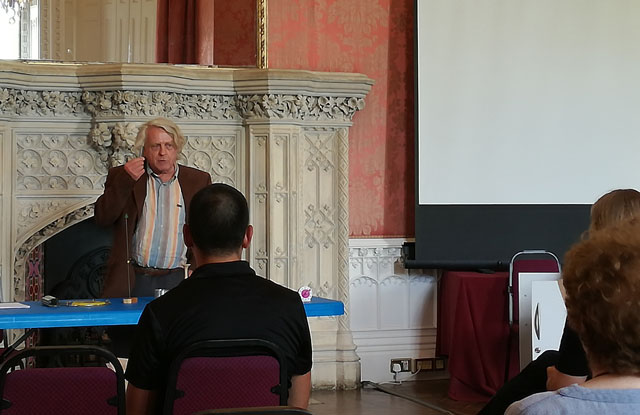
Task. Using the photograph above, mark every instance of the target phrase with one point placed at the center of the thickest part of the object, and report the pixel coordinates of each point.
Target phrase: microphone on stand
(128, 300)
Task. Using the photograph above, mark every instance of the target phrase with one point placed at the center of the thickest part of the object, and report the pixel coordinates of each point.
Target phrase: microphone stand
(130, 299)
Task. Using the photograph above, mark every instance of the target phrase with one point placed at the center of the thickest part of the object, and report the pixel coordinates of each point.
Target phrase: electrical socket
(404, 363)
(427, 364)
(422, 365)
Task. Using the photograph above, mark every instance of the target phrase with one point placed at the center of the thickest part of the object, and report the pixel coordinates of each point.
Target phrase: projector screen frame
(552, 227)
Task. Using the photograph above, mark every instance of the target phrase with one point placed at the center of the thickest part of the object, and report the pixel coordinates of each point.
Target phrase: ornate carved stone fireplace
(279, 136)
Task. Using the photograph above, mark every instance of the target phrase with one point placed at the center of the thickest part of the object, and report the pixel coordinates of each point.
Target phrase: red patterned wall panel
(374, 37)
(34, 288)
(234, 33)
(35, 272)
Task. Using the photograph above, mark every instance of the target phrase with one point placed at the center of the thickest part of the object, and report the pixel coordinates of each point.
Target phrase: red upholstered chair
(63, 390)
(538, 261)
(215, 374)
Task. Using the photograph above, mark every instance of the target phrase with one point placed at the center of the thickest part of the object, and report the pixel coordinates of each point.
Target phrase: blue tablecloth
(115, 313)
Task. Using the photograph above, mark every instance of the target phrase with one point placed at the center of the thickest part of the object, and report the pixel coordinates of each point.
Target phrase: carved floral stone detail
(280, 106)
(174, 105)
(124, 138)
(157, 103)
(125, 134)
(40, 103)
(30, 212)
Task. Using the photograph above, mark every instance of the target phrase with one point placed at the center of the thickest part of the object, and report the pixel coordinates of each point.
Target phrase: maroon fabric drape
(184, 31)
(473, 330)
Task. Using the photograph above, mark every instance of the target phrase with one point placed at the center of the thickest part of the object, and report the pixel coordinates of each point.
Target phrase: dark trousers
(532, 379)
(147, 283)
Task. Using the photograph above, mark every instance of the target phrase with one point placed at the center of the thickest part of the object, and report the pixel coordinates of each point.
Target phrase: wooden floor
(374, 402)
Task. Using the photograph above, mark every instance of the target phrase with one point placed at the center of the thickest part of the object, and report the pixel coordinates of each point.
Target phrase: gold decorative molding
(261, 33)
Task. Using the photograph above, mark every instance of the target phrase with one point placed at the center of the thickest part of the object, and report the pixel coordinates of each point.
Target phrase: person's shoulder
(279, 291)
(192, 175)
(164, 307)
(116, 169)
(118, 174)
(538, 403)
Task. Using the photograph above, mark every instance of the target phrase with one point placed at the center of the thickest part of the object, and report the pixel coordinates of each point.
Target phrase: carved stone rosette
(63, 126)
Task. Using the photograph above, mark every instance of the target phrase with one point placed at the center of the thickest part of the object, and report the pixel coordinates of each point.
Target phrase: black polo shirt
(219, 301)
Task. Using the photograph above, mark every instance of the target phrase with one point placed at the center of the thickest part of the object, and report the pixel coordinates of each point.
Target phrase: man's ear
(186, 233)
(248, 234)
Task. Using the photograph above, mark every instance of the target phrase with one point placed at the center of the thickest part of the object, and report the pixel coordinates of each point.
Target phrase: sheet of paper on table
(13, 305)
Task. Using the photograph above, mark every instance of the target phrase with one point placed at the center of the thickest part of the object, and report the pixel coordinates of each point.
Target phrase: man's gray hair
(169, 126)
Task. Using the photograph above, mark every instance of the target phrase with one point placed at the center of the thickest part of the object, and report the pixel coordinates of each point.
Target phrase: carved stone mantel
(280, 136)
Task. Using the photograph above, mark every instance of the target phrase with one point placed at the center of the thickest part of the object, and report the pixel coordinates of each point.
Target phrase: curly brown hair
(602, 279)
(613, 207)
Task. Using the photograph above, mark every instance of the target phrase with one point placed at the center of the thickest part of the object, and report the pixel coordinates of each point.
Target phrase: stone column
(298, 187)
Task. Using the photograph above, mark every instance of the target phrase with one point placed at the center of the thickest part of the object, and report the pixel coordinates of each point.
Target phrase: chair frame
(17, 358)
(511, 289)
(225, 348)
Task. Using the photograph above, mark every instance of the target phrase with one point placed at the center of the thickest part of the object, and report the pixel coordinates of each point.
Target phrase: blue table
(38, 316)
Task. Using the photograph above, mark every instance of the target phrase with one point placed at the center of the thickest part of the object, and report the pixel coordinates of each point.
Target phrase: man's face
(160, 151)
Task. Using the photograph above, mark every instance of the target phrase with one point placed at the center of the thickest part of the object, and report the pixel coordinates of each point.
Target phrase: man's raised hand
(135, 167)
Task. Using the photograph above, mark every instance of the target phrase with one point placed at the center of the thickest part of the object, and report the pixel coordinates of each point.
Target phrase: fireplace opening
(75, 261)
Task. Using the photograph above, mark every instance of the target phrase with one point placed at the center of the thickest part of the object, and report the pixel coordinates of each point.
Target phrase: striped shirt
(158, 240)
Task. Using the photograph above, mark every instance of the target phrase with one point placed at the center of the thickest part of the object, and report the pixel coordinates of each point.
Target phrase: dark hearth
(74, 268)
(75, 261)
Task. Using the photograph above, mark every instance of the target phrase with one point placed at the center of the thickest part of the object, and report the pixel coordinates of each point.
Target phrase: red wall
(234, 33)
(373, 37)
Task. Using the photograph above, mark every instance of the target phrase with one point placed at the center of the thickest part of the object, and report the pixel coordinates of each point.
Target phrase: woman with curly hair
(556, 369)
(602, 280)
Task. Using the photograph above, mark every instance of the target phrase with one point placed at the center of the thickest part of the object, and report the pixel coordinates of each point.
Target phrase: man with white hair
(145, 201)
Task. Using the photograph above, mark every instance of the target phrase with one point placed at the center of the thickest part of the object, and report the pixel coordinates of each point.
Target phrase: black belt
(154, 271)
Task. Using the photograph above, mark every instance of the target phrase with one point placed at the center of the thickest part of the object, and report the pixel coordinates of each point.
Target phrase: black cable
(407, 397)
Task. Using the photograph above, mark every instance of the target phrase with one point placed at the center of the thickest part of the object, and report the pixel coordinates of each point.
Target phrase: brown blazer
(122, 195)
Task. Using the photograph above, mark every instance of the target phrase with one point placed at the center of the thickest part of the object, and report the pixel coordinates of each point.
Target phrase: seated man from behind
(223, 299)
(602, 279)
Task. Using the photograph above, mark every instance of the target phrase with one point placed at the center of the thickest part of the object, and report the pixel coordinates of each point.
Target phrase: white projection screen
(527, 112)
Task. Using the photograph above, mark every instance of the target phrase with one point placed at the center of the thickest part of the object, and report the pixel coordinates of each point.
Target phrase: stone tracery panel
(319, 210)
(216, 154)
(57, 162)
